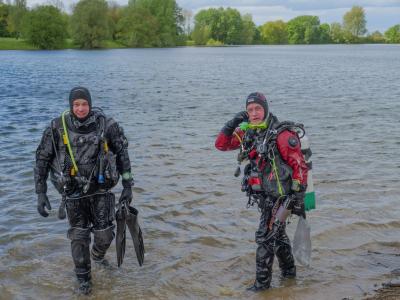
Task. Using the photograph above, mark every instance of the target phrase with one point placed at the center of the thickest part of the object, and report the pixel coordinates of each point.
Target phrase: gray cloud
(290, 4)
(380, 14)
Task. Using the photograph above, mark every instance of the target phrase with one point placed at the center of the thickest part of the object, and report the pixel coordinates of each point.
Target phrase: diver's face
(80, 108)
(256, 113)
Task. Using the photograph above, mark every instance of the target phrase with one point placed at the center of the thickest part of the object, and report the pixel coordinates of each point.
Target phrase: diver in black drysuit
(86, 193)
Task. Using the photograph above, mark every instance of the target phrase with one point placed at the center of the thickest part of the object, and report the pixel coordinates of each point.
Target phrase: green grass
(69, 44)
(109, 44)
(14, 44)
(190, 43)
(20, 44)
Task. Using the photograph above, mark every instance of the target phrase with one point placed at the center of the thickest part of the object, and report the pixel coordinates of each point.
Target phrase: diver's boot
(283, 251)
(85, 283)
(289, 273)
(85, 287)
(80, 241)
(257, 287)
(264, 261)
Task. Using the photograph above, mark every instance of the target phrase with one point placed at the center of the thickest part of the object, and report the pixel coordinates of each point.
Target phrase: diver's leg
(283, 251)
(79, 234)
(103, 210)
(264, 255)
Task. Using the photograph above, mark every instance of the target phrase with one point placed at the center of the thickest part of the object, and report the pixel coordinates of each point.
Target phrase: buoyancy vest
(266, 172)
(86, 142)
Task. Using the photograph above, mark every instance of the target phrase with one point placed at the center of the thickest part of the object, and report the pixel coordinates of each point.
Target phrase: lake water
(199, 236)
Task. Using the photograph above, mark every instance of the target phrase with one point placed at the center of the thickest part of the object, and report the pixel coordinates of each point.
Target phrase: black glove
(43, 202)
(126, 194)
(298, 204)
(231, 125)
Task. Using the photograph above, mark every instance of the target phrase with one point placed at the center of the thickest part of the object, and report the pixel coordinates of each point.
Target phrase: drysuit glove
(126, 194)
(231, 125)
(298, 204)
(43, 202)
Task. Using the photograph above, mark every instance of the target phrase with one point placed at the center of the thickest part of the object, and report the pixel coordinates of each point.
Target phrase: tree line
(162, 23)
(141, 23)
(227, 26)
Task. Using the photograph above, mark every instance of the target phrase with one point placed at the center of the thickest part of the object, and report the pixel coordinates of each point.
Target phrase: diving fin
(131, 219)
(120, 239)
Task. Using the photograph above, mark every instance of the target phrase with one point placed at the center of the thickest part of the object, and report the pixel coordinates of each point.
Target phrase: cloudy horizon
(380, 14)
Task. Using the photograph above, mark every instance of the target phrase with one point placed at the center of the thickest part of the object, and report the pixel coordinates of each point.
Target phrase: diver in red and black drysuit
(275, 178)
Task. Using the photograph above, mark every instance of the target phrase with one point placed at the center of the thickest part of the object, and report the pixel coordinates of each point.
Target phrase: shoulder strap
(67, 142)
(298, 128)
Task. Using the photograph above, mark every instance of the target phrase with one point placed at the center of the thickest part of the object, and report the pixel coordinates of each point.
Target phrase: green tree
(114, 15)
(303, 29)
(15, 17)
(45, 27)
(376, 37)
(248, 30)
(274, 32)
(257, 36)
(4, 13)
(201, 34)
(89, 23)
(336, 33)
(169, 17)
(324, 33)
(233, 23)
(212, 18)
(138, 28)
(354, 24)
(392, 35)
(225, 25)
(312, 34)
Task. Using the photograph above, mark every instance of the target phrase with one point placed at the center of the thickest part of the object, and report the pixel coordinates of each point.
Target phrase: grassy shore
(21, 44)
(14, 44)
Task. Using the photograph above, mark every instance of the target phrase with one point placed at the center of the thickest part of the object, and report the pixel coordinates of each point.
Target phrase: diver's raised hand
(43, 202)
(231, 125)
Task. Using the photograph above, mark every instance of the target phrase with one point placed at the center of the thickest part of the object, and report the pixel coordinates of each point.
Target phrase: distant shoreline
(21, 44)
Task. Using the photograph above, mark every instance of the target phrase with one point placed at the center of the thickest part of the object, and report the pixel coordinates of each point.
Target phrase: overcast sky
(380, 14)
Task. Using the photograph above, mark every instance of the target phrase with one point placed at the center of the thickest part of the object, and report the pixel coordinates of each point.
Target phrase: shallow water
(199, 236)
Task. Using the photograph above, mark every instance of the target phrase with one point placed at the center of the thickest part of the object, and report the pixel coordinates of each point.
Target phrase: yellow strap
(66, 139)
(280, 189)
(238, 137)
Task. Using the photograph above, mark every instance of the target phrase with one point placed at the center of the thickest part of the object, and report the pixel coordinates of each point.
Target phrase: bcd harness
(266, 174)
(103, 150)
(100, 157)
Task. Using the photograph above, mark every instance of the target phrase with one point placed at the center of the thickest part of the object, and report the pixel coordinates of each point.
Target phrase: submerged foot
(85, 288)
(256, 287)
(289, 273)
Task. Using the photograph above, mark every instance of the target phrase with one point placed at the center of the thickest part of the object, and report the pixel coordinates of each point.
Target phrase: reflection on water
(199, 236)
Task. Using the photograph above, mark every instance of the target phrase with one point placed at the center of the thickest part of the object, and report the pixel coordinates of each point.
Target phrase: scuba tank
(309, 199)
